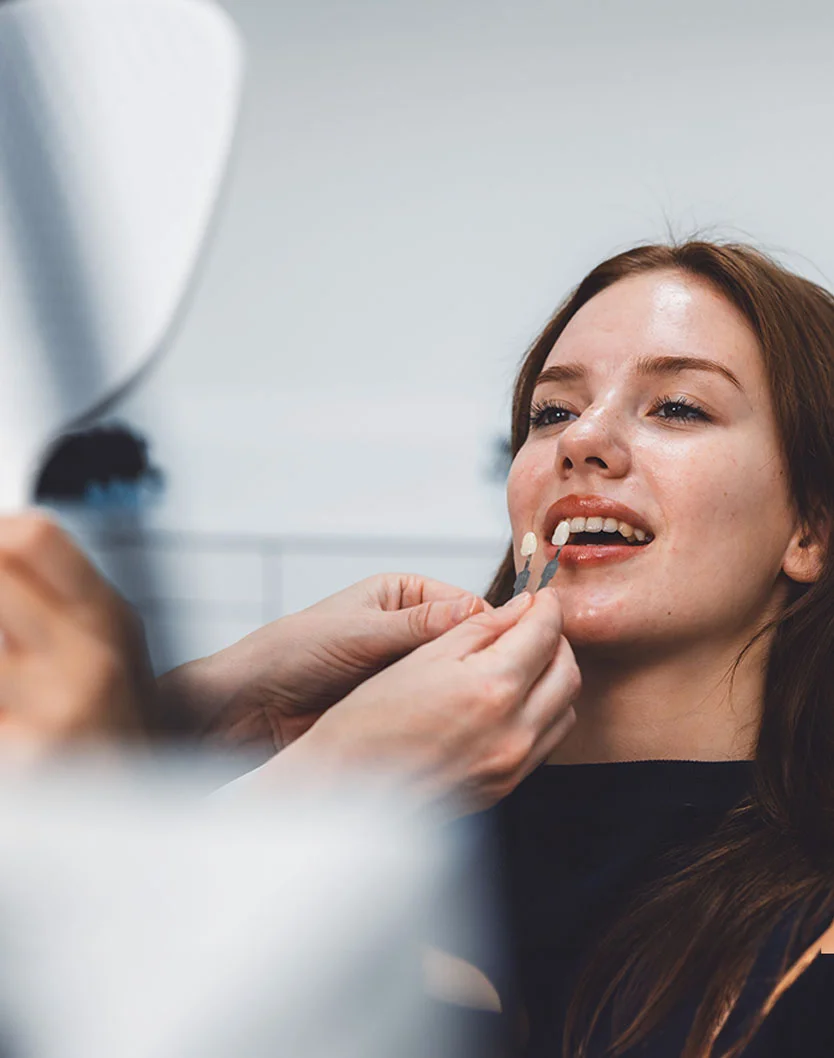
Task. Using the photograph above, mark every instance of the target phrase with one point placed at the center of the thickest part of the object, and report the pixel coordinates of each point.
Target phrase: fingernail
(520, 602)
(463, 609)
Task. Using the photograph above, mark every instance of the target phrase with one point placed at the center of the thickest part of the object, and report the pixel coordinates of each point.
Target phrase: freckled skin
(714, 493)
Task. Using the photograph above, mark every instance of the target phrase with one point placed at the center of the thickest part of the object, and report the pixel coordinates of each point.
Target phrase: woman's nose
(593, 441)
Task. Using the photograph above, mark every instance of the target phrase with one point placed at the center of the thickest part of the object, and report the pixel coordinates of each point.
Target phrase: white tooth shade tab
(596, 524)
(529, 545)
(561, 534)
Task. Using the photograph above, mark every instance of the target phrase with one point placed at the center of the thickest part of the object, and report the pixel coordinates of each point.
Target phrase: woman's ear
(805, 555)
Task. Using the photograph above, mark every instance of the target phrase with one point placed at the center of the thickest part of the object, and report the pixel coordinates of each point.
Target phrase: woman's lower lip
(596, 554)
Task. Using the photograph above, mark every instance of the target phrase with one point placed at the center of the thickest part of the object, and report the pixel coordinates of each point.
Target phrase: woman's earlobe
(805, 557)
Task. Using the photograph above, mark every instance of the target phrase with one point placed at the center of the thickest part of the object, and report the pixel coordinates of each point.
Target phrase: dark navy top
(576, 840)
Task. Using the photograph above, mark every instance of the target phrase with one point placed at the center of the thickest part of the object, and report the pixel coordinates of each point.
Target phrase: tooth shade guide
(549, 570)
(522, 580)
(529, 545)
(561, 534)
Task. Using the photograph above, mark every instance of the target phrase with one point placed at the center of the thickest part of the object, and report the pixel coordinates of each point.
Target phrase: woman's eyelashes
(685, 409)
(669, 409)
(547, 413)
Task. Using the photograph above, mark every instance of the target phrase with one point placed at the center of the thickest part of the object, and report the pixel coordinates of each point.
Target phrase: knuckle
(571, 673)
(509, 757)
(395, 591)
(420, 620)
(498, 693)
(411, 589)
(379, 585)
(574, 682)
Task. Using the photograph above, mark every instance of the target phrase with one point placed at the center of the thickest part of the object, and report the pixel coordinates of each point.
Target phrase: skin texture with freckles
(656, 634)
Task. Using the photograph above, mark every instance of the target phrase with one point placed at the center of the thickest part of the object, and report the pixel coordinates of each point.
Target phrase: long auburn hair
(771, 861)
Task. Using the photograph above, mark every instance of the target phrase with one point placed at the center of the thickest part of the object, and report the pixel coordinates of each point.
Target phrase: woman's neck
(676, 707)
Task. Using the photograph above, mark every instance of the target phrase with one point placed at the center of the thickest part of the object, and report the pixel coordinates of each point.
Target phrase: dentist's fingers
(479, 632)
(549, 707)
(402, 591)
(413, 626)
(555, 690)
(526, 648)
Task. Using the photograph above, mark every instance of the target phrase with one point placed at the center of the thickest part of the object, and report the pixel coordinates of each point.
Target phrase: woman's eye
(671, 409)
(548, 415)
(680, 410)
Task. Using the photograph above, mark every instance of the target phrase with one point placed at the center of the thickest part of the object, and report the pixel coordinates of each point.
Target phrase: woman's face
(623, 414)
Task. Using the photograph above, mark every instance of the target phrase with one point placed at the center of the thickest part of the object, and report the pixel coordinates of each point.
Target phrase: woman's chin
(609, 635)
(594, 639)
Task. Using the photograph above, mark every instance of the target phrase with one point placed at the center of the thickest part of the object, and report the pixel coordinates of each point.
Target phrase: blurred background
(415, 187)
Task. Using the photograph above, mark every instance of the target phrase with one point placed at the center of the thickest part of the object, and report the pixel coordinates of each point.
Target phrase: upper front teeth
(599, 525)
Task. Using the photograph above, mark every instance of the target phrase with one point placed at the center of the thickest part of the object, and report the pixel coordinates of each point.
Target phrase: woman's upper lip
(586, 507)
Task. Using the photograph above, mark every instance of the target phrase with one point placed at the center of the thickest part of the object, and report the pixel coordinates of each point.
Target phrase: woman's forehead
(658, 314)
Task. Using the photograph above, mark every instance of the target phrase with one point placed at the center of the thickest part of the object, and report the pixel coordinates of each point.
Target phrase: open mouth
(601, 532)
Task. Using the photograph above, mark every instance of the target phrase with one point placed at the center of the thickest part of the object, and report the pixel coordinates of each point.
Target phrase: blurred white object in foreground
(142, 921)
(116, 124)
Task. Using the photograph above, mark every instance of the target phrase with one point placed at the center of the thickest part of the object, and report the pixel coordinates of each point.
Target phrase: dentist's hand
(73, 661)
(460, 721)
(268, 689)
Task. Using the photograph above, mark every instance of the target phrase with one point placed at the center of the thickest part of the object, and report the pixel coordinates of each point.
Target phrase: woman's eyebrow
(644, 366)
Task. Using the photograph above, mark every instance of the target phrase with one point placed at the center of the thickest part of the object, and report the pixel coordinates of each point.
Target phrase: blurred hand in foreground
(73, 659)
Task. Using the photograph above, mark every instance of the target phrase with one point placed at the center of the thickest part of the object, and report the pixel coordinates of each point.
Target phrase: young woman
(671, 869)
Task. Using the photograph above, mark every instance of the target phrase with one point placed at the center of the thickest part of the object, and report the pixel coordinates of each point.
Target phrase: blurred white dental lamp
(138, 923)
(116, 124)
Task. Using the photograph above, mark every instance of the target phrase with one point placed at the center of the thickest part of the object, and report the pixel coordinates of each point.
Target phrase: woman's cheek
(525, 490)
